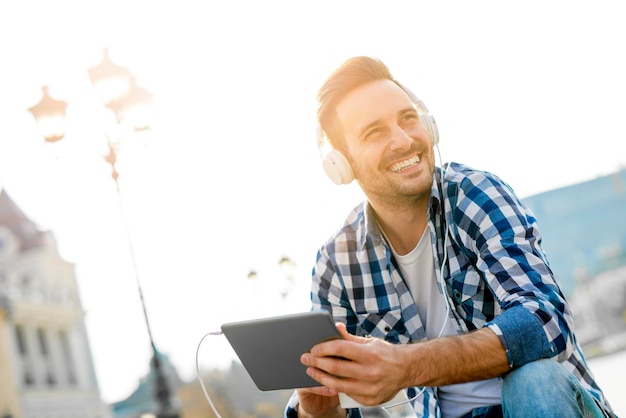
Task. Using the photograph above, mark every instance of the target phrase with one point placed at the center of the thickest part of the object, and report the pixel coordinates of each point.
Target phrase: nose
(400, 139)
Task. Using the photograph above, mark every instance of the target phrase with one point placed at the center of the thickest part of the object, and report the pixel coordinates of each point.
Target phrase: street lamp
(50, 116)
(119, 92)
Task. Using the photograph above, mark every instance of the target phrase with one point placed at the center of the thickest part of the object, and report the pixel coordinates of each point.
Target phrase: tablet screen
(270, 348)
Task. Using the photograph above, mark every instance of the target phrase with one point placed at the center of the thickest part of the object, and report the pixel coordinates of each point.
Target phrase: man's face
(387, 145)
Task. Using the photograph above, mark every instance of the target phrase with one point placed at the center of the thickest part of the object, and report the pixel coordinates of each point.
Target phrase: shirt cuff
(522, 336)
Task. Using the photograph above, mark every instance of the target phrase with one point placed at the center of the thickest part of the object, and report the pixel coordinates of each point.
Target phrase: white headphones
(336, 164)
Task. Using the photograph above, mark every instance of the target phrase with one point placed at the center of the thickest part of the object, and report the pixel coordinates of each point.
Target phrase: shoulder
(471, 182)
(480, 199)
(351, 229)
(465, 175)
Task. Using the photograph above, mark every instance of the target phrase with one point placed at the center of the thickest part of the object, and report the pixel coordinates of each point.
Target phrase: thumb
(343, 331)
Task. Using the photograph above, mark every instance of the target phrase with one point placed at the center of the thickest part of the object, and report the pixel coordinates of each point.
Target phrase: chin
(420, 185)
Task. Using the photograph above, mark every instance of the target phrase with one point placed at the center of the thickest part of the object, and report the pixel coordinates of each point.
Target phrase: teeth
(404, 164)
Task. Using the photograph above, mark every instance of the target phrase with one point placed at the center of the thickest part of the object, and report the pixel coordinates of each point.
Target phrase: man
(437, 282)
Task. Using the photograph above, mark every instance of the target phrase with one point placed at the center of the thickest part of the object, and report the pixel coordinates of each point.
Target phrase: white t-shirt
(418, 270)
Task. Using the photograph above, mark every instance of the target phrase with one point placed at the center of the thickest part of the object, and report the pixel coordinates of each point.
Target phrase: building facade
(583, 229)
(46, 368)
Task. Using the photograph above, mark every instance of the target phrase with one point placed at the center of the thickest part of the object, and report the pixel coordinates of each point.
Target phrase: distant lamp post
(288, 267)
(119, 92)
(286, 262)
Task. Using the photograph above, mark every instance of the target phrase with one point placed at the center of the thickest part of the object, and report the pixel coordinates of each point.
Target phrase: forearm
(475, 356)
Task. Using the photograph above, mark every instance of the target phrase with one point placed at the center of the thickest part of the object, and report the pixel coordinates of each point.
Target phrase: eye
(373, 133)
(410, 116)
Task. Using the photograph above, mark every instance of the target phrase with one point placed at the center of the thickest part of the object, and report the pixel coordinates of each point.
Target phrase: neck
(403, 225)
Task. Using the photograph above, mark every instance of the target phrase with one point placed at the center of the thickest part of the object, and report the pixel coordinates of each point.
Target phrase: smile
(405, 164)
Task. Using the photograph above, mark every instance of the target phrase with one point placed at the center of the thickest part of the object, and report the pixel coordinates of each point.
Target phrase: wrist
(414, 361)
(337, 412)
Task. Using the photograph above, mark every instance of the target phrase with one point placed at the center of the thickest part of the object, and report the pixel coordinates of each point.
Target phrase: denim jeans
(545, 389)
(541, 389)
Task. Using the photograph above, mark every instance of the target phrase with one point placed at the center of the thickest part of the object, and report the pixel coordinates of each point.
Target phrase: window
(21, 340)
(67, 357)
(43, 343)
(28, 376)
(45, 355)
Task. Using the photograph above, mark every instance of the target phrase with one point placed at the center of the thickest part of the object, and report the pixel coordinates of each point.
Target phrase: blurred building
(46, 368)
(584, 235)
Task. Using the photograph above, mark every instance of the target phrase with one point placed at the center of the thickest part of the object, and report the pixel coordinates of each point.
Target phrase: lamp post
(119, 92)
(50, 116)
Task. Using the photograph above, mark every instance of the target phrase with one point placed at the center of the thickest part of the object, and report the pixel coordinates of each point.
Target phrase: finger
(343, 331)
(330, 349)
(355, 349)
(343, 384)
(335, 367)
(327, 380)
(317, 390)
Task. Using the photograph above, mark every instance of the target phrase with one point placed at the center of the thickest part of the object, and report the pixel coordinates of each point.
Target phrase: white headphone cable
(444, 169)
(206, 394)
(443, 263)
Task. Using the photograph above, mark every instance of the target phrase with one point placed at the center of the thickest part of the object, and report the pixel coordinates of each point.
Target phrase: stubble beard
(402, 195)
(409, 194)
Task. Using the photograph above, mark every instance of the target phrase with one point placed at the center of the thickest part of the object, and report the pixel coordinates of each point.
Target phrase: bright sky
(229, 178)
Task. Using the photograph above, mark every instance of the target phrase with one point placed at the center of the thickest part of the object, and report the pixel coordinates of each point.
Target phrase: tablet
(270, 348)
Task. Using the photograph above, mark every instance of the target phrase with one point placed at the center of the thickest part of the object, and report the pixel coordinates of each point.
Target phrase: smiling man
(437, 281)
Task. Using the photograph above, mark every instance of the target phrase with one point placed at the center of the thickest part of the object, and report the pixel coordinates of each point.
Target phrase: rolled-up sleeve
(535, 320)
(522, 336)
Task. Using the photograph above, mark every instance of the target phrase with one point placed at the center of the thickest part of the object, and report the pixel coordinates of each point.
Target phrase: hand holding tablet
(270, 348)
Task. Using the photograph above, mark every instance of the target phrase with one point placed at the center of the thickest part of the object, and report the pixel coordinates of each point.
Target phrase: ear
(336, 165)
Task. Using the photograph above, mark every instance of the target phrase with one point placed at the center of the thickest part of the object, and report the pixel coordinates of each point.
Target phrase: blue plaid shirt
(496, 275)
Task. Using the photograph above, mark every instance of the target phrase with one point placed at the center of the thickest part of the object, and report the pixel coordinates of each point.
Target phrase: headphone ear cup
(431, 126)
(427, 119)
(338, 168)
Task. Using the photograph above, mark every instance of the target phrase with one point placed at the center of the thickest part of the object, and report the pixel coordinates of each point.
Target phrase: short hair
(353, 73)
